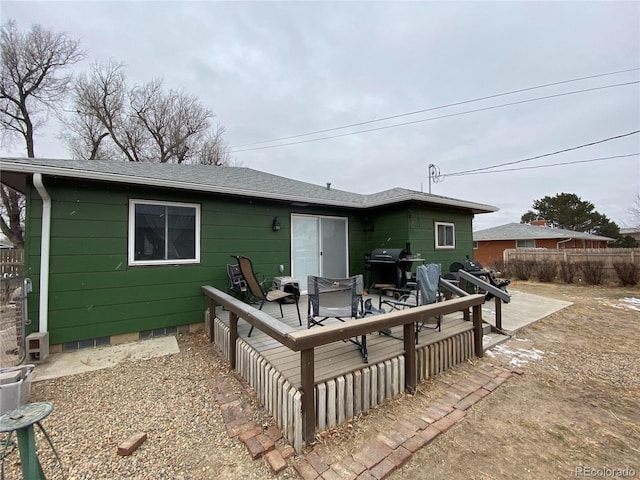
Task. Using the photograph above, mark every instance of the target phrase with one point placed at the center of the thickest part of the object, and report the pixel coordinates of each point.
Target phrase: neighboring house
(632, 232)
(125, 247)
(489, 244)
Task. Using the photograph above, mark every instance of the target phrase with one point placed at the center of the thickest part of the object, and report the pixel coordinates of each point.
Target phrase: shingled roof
(238, 181)
(522, 231)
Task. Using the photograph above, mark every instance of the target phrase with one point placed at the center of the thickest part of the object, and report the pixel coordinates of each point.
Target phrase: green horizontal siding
(93, 292)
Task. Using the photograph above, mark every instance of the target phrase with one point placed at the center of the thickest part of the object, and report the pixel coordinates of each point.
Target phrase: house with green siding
(118, 251)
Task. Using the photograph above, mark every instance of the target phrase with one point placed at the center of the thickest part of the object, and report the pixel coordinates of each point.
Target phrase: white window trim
(132, 228)
(437, 239)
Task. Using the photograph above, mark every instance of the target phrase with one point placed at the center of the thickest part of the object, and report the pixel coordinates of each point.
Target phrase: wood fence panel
(608, 256)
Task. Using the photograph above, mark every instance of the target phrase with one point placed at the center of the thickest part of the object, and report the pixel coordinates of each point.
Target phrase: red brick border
(383, 455)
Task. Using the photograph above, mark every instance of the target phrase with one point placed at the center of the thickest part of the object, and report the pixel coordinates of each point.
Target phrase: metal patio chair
(336, 298)
(256, 289)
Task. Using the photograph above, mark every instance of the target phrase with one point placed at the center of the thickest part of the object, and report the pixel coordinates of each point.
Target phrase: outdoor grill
(469, 266)
(475, 268)
(389, 266)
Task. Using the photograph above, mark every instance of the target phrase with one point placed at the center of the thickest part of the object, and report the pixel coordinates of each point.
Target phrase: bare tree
(32, 84)
(31, 79)
(144, 123)
(12, 220)
(634, 212)
(174, 120)
(214, 149)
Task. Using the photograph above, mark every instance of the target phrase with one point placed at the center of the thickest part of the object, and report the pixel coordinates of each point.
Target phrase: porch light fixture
(275, 226)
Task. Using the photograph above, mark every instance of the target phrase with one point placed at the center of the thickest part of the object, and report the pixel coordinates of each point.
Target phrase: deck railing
(305, 341)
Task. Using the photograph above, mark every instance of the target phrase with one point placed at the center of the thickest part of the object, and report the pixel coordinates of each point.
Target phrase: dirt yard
(572, 413)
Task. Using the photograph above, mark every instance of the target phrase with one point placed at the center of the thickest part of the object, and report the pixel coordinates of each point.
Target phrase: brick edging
(380, 457)
(393, 448)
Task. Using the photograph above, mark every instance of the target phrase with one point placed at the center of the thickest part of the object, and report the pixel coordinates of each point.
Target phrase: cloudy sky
(272, 70)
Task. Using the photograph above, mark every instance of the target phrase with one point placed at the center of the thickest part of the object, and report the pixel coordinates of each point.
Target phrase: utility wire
(438, 107)
(552, 164)
(440, 117)
(466, 172)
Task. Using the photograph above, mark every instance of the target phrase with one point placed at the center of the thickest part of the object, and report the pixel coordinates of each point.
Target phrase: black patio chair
(336, 298)
(236, 284)
(256, 289)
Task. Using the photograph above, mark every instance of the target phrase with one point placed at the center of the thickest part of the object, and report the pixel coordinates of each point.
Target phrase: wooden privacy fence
(305, 341)
(607, 256)
(11, 262)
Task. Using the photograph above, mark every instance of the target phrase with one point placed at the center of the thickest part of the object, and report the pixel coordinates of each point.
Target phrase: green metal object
(21, 420)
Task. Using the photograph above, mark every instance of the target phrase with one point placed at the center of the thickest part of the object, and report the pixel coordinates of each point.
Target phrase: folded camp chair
(337, 298)
(428, 283)
(236, 284)
(424, 291)
(255, 289)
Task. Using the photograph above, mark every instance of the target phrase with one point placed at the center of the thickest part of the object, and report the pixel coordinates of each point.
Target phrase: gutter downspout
(44, 252)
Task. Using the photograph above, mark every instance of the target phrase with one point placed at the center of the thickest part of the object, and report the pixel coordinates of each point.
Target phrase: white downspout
(44, 252)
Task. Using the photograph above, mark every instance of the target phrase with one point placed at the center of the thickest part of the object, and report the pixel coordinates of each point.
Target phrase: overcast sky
(270, 70)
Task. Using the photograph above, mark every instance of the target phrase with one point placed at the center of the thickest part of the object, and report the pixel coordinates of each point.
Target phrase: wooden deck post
(233, 338)
(463, 286)
(307, 381)
(477, 330)
(410, 367)
(498, 314)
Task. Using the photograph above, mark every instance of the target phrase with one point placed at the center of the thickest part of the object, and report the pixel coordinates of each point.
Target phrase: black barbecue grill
(389, 266)
(476, 269)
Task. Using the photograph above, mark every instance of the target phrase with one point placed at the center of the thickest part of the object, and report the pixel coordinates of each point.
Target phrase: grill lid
(388, 254)
(468, 266)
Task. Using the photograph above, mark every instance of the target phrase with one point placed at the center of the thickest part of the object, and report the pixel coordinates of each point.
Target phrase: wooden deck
(337, 358)
(344, 385)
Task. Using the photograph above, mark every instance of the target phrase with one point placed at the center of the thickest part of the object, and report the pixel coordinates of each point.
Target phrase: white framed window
(525, 244)
(445, 235)
(475, 245)
(163, 232)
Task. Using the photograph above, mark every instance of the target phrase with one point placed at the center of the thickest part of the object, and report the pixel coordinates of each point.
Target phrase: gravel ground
(578, 399)
(169, 398)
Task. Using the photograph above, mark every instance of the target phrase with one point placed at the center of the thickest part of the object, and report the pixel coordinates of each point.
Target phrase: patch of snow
(627, 303)
(519, 356)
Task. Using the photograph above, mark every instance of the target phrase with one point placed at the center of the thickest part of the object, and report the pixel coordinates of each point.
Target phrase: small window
(445, 235)
(525, 244)
(475, 245)
(163, 233)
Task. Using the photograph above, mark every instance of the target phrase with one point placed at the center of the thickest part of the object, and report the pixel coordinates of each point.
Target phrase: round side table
(21, 421)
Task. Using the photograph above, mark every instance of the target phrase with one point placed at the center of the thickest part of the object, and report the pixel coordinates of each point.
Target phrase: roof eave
(367, 202)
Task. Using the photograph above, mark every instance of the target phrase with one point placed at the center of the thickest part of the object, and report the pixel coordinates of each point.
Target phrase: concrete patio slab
(87, 360)
(524, 309)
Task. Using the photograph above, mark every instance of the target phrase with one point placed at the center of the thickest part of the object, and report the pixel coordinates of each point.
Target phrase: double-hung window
(445, 235)
(163, 232)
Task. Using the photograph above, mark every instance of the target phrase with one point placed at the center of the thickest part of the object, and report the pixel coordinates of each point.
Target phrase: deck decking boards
(337, 358)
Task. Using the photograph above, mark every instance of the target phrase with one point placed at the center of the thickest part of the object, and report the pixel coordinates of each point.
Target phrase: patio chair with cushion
(339, 299)
(256, 289)
(424, 291)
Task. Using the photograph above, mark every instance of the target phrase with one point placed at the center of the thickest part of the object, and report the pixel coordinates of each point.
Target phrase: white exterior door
(318, 247)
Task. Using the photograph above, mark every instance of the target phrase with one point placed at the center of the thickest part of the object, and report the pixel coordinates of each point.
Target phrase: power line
(553, 164)
(436, 108)
(465, 172)
(440, 117)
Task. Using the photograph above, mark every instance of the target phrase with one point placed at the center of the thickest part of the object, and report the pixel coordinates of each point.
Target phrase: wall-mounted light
(275, 226)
